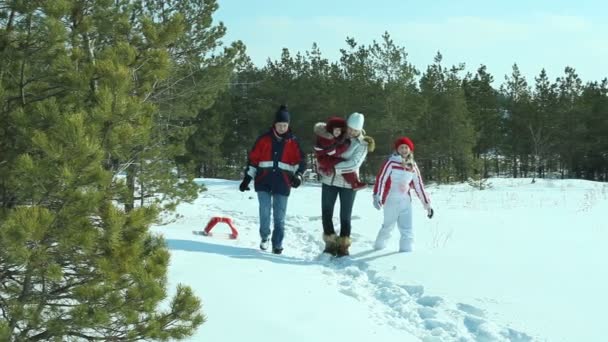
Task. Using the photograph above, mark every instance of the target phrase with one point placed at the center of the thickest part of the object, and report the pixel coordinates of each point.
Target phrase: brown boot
(331, 245)
(343, 245)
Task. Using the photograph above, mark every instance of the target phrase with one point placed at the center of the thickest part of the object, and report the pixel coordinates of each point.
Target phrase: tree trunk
(130, 200)
(514, 166)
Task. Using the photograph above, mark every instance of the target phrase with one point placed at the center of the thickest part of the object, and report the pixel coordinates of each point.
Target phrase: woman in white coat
(397, 176)
(335, 186)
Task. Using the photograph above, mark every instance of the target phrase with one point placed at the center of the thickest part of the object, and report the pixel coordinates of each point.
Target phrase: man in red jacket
(276, 164)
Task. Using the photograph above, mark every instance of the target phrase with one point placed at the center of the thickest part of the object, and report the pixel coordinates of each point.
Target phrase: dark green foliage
(97, 100)
(446, 133)
(484, 108)
(463, 126)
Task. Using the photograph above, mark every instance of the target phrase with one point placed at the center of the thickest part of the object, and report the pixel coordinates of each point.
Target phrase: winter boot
(406, 245)
(264, 244)
(331, 245)
(343, 245)
(352, 179)
(277, 250)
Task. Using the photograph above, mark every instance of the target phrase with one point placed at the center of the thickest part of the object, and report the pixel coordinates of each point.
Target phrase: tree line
(463, 125)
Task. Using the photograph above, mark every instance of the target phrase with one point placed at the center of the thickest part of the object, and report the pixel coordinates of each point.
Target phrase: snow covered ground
(518, 262)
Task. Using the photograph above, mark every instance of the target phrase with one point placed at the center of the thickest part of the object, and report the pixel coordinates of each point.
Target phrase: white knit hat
(355, 121)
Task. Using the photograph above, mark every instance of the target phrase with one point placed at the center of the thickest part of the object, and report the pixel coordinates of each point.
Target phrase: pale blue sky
(534, 34)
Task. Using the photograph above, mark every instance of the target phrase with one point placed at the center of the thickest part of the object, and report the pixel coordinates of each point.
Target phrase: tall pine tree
(446, 133)
(89, 89)
(483, 106)
(517, 103)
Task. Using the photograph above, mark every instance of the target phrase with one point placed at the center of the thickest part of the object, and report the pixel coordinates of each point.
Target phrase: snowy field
(518, 262)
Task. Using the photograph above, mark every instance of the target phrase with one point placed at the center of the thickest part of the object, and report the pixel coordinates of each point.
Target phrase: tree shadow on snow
(234, 252)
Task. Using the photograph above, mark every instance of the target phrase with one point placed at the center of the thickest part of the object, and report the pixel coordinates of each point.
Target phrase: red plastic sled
(217, 219)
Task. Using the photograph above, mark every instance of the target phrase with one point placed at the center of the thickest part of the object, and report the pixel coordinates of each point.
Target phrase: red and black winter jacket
(328, 153)
(274, 160)
(328, 148)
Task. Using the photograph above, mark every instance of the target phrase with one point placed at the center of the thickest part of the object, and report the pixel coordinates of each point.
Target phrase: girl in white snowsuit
(396, 177)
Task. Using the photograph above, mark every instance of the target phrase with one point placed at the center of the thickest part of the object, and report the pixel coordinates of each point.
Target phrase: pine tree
(359, 90)
(571, 123)
(594, 103)
(399, 107)
(205, 145)
(446, 133)
(541, 122)
(483, 105)
(90, 89)
(582, 139)
(178, 45)
(517, 100)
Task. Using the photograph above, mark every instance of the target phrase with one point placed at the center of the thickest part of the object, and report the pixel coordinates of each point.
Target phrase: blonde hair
(408, 161)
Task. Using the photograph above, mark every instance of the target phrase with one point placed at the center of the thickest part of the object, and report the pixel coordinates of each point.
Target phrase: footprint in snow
(430, 301)
(472, 310)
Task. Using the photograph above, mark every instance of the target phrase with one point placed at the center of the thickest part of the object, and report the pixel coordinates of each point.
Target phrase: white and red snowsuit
(392, 192)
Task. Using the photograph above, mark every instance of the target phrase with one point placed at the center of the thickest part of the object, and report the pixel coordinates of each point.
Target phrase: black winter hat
(282, 115)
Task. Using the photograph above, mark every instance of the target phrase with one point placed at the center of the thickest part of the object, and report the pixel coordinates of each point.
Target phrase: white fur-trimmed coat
(353, 159)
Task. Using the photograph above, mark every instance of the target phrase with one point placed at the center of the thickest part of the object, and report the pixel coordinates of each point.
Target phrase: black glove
(296, 180)
(245, 183)
(430, 213)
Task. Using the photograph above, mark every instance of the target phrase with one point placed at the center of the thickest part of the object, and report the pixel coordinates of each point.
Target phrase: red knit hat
(335, 122)
(404, 141)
